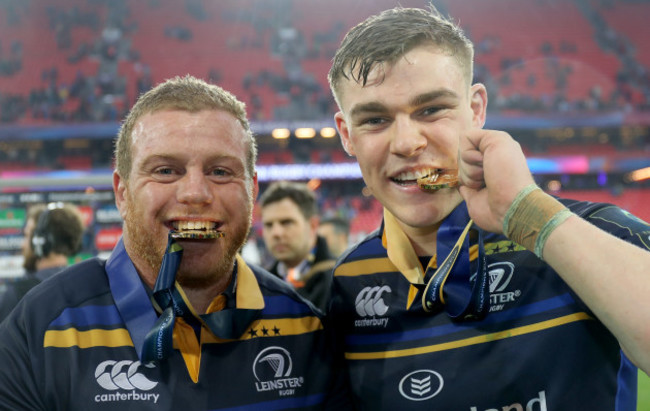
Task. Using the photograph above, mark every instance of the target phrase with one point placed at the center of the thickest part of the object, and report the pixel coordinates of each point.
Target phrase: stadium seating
(540, 49)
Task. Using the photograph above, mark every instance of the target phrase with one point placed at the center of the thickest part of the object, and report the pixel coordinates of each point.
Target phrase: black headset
(42, 236)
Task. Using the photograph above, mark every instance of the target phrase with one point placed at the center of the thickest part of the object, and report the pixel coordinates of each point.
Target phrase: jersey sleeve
(619, 223)
(18, 380)
(8, 301)
(622, 224)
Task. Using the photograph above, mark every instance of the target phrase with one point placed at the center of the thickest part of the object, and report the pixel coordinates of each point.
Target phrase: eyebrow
(432, 95)
(372, 107)
(179, 157)
(420, 99)
(157, 158)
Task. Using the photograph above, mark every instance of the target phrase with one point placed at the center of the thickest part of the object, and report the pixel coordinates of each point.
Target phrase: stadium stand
(275, 55)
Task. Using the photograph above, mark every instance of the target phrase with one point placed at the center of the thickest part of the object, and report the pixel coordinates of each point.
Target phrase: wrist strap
(532, 217)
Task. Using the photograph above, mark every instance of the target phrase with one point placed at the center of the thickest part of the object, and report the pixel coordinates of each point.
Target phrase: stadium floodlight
(328, 132)
(305, 132)
(639, 175)
(280, 133)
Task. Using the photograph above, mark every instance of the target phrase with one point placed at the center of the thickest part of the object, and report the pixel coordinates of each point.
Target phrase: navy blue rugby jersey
(73, 344)
(538, 348)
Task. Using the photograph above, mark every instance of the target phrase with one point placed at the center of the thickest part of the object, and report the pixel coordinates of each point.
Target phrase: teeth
(414, 175)
(193, 225)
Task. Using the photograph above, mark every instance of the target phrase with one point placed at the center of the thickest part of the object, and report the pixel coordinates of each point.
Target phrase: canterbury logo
(115, 375)
(370, 303)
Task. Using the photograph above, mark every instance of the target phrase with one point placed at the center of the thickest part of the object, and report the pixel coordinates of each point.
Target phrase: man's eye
(219, 172)
(431, 110)
(373, 121)
(166, 171)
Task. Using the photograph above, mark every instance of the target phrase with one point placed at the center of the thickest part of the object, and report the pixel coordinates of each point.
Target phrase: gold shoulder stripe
(273, 328)
(285, 326)
(87, 339)
(502, 247)
(364, 267)
(378, 265)
(513, 332)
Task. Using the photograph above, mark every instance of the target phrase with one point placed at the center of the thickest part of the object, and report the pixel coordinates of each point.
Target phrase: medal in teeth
(438, 179)
(195, 230)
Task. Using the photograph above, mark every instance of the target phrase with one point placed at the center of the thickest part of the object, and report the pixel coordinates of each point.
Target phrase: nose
(194, 188)
(275, 229)
(408, 138)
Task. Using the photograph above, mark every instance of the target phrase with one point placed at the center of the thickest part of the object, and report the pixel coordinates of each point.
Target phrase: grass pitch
(643, 403)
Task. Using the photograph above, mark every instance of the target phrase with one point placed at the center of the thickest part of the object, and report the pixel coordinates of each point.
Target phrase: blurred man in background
(289, 227)
(336, 231)
(53, 233)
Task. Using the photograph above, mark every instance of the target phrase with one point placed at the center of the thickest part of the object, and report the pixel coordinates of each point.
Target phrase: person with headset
(52, 234)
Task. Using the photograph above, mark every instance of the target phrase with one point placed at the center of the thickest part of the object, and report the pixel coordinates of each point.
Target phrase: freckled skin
(188, 166)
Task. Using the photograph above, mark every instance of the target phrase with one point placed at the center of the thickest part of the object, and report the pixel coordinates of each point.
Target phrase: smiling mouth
(195, 230)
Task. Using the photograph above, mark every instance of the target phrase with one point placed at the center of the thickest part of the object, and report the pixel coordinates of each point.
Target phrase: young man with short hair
(479, 291)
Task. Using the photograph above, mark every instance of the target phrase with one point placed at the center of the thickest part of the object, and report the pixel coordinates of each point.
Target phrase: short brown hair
(387, 36)
(181, 93)
(298, 193)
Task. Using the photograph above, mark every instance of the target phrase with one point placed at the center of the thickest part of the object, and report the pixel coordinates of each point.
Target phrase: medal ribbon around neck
(451, 287)
(229, 323)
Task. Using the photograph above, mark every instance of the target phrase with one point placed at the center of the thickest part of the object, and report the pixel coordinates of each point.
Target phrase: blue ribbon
(451, 286)
(158, 343)
(130, 295)
(229, 323)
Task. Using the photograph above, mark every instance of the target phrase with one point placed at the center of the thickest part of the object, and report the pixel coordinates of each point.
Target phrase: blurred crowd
(103, 68)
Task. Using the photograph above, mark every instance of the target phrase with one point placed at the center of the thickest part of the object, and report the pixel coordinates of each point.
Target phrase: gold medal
(197, 234)
(435, 181)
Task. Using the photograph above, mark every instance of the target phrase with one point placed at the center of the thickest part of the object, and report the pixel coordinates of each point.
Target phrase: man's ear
(314, 222)
(478, 102)
(119, 188)
(256, 187)
(344, 132)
